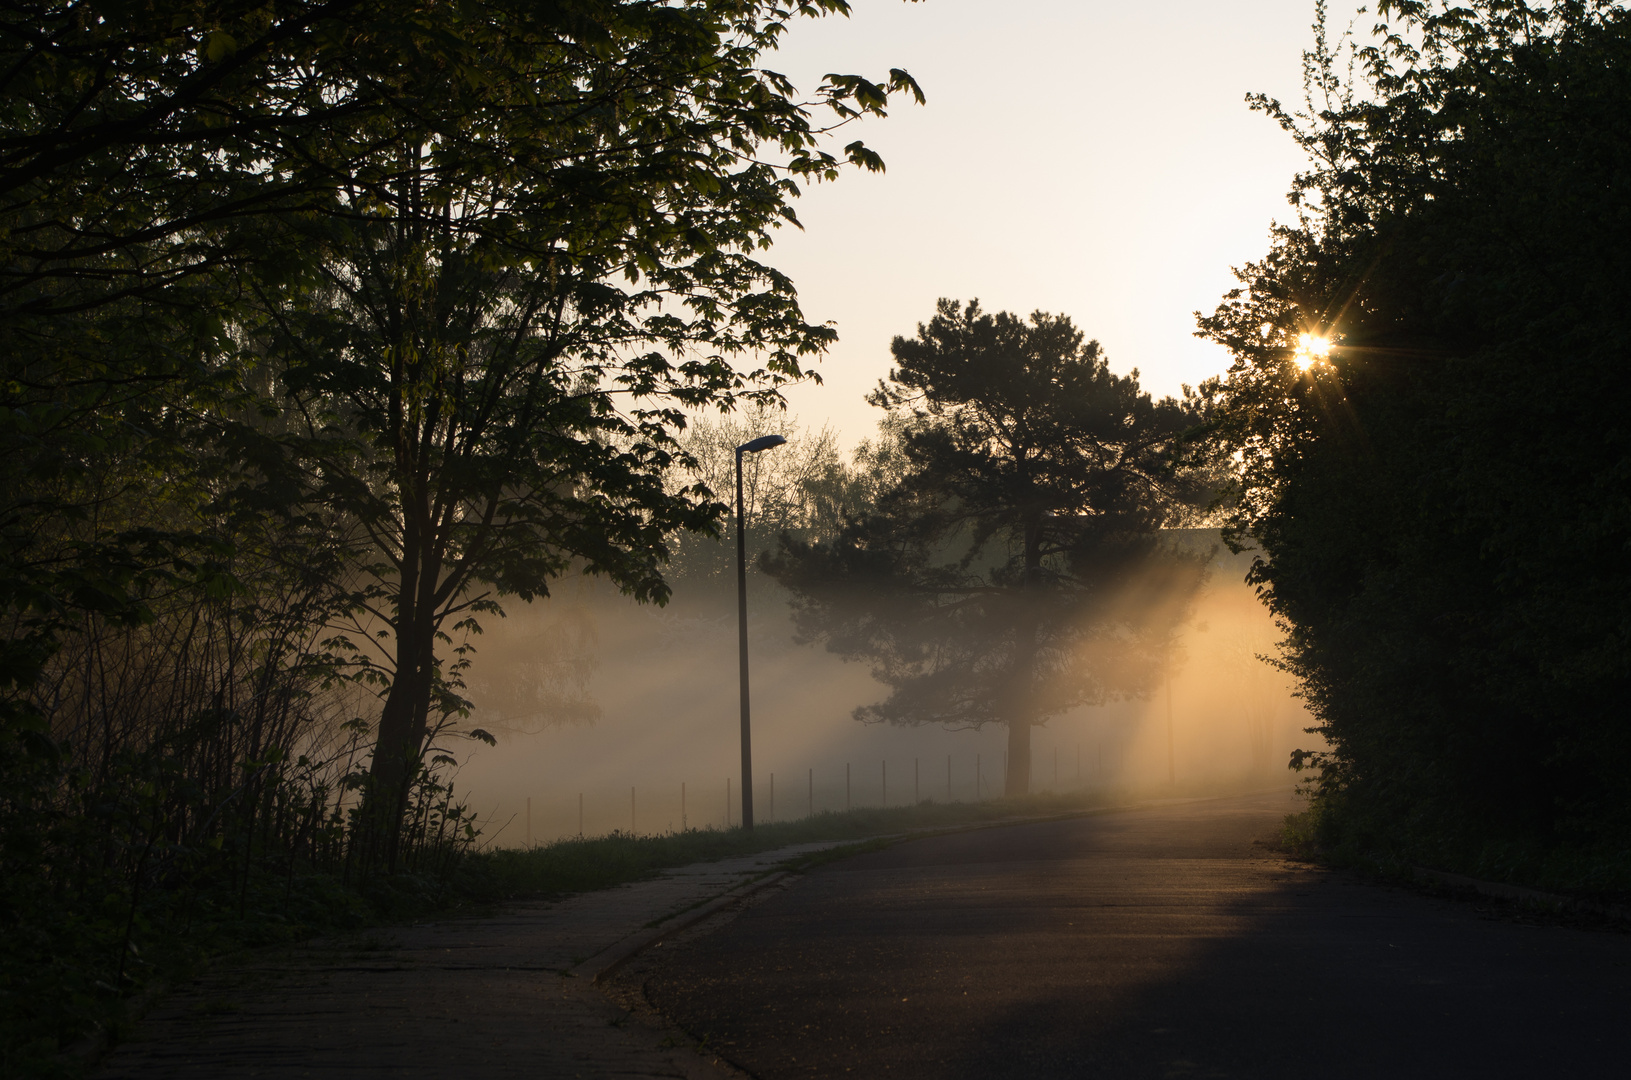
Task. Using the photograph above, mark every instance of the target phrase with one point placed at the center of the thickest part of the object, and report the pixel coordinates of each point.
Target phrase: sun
(1311, 347)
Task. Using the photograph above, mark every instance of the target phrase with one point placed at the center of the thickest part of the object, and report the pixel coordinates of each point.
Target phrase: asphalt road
(1161, 942)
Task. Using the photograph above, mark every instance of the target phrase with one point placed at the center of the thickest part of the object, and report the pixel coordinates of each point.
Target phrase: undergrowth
(1337, 834)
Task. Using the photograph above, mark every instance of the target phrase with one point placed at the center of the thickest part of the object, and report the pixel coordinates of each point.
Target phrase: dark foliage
(1443, 506)
(494, 355)
(318, 321)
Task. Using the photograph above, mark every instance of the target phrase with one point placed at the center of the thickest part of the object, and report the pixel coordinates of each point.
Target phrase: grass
(273, 909)
(601, 862)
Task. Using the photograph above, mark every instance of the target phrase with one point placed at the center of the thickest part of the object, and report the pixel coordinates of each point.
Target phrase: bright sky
(1081, 157)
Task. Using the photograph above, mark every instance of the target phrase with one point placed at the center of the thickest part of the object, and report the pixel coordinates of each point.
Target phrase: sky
(1091, 159)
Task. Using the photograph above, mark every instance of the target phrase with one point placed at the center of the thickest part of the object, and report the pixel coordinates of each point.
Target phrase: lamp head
(763, 442)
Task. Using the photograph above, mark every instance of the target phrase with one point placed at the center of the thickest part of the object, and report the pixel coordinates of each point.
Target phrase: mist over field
(368, 376)
(589, 693)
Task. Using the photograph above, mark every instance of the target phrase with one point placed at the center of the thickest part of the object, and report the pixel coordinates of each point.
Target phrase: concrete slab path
(487, 998)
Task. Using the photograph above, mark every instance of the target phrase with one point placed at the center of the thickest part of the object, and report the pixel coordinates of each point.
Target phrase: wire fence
(784, 795)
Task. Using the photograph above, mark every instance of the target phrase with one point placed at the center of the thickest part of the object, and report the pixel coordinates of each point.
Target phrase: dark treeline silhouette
(323, 329)
(1012, 566)
(1441, 505)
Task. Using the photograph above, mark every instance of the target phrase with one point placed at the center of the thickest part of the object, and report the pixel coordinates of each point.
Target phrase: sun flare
(1311, 347)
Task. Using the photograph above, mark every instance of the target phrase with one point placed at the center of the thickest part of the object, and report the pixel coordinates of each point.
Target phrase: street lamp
(764, 442)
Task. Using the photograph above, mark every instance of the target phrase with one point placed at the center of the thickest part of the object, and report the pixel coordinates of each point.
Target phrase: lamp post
(764, 442)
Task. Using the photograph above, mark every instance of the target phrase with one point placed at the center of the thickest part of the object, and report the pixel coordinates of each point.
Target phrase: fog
(591, 695)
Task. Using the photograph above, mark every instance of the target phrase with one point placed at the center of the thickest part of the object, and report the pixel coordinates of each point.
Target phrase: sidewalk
(510, 995)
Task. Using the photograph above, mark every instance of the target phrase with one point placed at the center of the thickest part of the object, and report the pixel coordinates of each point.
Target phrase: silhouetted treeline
(1443, 505)
(322, 329)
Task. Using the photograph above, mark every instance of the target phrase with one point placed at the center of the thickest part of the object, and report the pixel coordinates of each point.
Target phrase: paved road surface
(506, 997)
(1153, 943)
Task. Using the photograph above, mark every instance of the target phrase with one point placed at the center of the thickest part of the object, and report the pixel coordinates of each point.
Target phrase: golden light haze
(590, 693)
(1092, 159)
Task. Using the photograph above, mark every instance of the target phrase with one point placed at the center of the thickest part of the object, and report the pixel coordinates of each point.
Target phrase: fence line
(537, 832)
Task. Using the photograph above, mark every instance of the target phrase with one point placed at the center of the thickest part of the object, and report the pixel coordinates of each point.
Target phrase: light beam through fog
(1121, 223)
(592, 694)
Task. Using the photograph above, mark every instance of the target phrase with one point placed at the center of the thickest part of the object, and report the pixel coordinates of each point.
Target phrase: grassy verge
(601, 862)
(273, 907)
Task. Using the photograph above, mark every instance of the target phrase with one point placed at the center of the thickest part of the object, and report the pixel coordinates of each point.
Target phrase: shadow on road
(1152, 943)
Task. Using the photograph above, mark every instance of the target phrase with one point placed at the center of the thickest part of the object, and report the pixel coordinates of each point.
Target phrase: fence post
(772, 796)
(580, 815)
(727, 802)
(682, 806)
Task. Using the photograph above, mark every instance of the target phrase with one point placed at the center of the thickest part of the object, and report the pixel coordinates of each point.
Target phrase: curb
(1521, 895)
(606, 962)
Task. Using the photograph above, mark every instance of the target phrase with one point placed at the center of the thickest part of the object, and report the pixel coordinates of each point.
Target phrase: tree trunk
(1021, 709)
(1018, 780)
(1021, 705)
(402, 726)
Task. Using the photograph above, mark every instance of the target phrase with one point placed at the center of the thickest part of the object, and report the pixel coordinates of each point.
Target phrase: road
(1164, 942)
(508, 996)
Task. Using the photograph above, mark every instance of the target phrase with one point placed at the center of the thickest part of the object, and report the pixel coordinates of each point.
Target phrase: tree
(148, 156)
(494, 358)
(144, 154)
(783, 492)
(192, 485)
(1016, 570)
(1440, 503)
